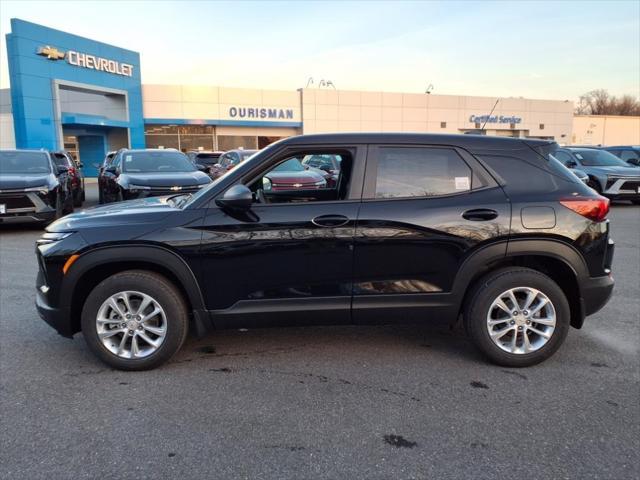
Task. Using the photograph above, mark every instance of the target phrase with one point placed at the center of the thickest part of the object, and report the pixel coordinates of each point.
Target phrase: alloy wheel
(521, 320)
(131, 324)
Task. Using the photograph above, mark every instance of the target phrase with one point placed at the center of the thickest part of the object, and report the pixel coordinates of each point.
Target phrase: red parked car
(64, 159)
(292, 175)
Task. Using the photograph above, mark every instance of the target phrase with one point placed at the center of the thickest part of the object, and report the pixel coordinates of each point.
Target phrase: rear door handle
(329, 221)
(480, 214)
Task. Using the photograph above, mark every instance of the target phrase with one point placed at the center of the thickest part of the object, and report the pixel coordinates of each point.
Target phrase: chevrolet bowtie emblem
(52, 53)
(175, 189)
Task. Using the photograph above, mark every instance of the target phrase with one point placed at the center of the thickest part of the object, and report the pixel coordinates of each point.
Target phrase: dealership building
(73, 93)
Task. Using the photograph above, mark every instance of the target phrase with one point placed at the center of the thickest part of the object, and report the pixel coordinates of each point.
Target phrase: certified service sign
(86, 60)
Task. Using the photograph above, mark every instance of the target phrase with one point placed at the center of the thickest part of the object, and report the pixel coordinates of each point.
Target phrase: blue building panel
(32, 75)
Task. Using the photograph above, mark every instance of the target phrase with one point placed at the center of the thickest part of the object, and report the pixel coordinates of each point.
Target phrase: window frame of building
(443, 124)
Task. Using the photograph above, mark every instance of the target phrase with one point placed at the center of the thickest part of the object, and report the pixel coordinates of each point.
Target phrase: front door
(289, 259)
(92, 150)
(424, 210)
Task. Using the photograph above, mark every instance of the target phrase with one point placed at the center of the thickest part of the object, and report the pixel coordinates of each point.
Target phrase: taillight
(593, 208)
(72, 171)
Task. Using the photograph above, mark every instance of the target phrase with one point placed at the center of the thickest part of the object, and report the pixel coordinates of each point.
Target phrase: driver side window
(304, 177)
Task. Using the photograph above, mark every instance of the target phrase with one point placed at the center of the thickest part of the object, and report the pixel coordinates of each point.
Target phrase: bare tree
(600, 102)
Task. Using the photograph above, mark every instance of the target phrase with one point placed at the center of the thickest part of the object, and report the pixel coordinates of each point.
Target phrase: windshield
(207, 158)
(149, 161)
(598, 158)
(247, 154)
(24, 162)
(291, 165)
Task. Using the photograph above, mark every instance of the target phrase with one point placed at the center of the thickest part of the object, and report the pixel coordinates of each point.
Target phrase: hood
(631, 171)
(305, 177)
(168, 179)
(11, 181)
(133, 212)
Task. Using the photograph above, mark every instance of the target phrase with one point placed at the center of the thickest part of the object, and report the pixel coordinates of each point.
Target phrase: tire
(59, 207)
(594, 185)
(119, 196)
(77, 199)
(173, 321)
(478, 310)
(635, 202)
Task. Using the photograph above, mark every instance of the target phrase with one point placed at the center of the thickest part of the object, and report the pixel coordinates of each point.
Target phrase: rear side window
(420, 172)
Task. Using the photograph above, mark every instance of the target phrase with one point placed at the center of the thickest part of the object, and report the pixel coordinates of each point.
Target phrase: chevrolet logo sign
(52, 53)
(297, 185)
(176, 189)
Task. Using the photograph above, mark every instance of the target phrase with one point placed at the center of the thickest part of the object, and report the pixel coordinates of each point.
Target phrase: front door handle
(480, 214)
(330, 221)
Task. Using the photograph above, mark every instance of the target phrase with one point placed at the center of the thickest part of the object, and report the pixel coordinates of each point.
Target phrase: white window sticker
(580, 157)
(128, 158)
(462, 183)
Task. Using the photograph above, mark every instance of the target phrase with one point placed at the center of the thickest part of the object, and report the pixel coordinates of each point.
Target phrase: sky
(552, 50)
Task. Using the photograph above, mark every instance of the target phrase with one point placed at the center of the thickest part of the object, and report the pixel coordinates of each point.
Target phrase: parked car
(63, 158)
(102, 179)
(419, 227)
(326, 165)
(608, 175)
(150, 173)
(291, 176)
(33, 187)
(584, 178)
(205, 158)
(229, 160)
(628, 153)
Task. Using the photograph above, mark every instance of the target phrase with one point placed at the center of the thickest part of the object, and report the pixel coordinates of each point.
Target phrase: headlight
(266, 183)
(202, 186)
(138, 187)
(51, 237)
(43, 189)
(322, 183)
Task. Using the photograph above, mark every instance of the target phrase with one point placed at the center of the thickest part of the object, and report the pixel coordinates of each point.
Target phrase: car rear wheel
(135, 320)
(517, 317)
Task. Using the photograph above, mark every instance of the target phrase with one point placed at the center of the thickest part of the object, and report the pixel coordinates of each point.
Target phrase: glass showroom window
(161, 136)
(231, 142)
(196, 137)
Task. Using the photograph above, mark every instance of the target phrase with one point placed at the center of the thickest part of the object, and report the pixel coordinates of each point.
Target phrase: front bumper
(57, 318)
(21, 206)
(627, 188)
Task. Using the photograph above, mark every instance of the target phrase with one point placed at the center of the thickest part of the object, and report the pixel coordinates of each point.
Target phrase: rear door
(425, 210)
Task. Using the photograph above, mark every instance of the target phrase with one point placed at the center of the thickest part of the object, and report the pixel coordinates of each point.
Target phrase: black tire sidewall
(151, 284)
(489, 289)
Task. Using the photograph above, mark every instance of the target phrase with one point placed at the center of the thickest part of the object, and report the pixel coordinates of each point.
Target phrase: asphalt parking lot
(334, 402)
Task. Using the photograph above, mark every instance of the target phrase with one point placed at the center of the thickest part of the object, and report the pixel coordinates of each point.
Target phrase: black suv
(492, 230)
(148, 172)
(33, 187)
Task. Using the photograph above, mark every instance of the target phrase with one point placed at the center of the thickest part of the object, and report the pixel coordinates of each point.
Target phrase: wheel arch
(556, 259)
(94, 266)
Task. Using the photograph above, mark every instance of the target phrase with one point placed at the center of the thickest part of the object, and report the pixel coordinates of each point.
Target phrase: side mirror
(201, 167)
(238, 197)
(62, 169)
(571, 164)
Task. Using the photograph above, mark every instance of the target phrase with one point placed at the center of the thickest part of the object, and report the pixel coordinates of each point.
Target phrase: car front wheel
(135, 320)
(517, 317)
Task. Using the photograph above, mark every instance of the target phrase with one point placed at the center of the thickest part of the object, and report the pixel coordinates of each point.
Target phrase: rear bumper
(595, 293)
